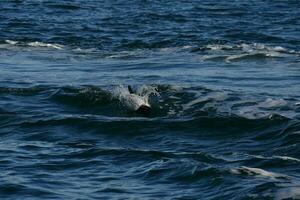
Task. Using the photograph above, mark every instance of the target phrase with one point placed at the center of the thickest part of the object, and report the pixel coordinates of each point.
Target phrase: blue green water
(222, 79)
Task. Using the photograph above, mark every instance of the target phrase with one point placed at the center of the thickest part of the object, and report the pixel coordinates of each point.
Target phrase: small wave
(34, 44)
(15, 187)
(11, 42)
(245, 47)
(89, 96)
(142, 52)
(64, 6)
(41, 44)
(213, 52)
(291, 192)
(273, 103)
(209, 52)
(243, 51)
(287, 158)
(257, 172)
(5, 112)
(169, 101)
(217, 47)
(252, 56)
(22, 91)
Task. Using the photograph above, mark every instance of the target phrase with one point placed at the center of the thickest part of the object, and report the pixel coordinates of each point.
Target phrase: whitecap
(278, 48)
(12, 42)
(89, 50)
(253, 53)
(236, 57)
(216, 47)
(287, 158)
(187, 47)
(241, 51)
(257, 172)
(41, 44)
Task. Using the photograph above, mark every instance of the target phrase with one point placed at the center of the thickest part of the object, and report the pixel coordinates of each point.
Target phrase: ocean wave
(244, 51)
(201, 101)
(11, 42)
(89, 96)
(257, 172)
(35, 44)
(209, 52)
(23, 188)
(63, 6)
(287, 158)
(47, 45)
(288, 192)
(169, 101)
(22, 91)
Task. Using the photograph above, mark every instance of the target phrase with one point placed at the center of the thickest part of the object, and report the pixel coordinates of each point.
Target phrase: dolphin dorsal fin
(130, 89)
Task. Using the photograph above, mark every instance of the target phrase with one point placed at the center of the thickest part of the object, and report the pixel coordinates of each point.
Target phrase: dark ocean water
(222, 78)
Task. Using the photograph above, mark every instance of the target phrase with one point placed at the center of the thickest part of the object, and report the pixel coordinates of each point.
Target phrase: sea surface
(222, 78)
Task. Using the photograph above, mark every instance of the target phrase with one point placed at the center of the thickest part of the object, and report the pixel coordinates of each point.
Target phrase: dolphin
(136, 103)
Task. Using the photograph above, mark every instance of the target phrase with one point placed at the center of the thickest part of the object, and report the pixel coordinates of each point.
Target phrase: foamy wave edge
(35, 44)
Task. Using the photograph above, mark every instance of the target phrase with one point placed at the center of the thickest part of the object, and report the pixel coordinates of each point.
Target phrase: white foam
(147, 90)
(216, 47)
(278, 48)
(273, 54)
(175, 49)
(187, 47)
(257, 172)
(272, 103)
(89, 50)
(190, 104)
(11, 42)
(243, 50)
(41, 44)
(287, 158)
(218, 95)
(251, 113)
(236, 57)
(260, 47)
(245, 47)
(212, 57)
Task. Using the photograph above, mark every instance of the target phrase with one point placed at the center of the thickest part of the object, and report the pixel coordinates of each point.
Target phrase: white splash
(133, 101)
(147, 90)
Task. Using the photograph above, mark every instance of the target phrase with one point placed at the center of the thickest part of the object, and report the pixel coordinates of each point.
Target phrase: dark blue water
(222, 78)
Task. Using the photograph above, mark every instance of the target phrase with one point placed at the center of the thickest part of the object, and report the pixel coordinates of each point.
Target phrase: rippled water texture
(222, 79)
